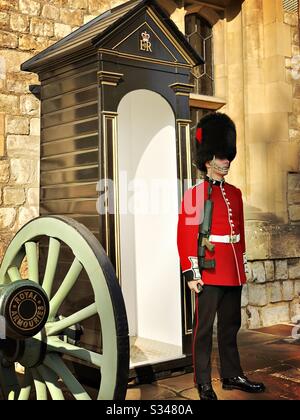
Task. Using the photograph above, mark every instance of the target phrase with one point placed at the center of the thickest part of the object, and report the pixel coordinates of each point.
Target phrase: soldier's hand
(193, 285)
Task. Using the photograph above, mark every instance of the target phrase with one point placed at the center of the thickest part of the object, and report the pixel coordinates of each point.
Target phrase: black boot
(242, 383)
(206, 392)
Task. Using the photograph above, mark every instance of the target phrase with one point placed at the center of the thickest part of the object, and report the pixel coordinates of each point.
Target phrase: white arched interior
(150, 270)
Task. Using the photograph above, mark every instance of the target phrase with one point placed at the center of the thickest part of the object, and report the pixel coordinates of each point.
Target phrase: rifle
(204, 233)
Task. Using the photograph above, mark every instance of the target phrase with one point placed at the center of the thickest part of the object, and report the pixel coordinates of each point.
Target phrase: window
(290, 6)
(199, 33)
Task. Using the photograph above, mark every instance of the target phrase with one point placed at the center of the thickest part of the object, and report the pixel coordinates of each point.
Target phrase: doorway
(148, 202)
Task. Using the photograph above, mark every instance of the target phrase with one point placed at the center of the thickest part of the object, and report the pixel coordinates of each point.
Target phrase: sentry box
(115, 119)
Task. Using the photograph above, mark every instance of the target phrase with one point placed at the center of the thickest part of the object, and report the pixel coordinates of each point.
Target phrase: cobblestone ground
(267, 356)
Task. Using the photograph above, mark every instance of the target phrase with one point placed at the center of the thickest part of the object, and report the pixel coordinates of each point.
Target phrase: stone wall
(26, 28)
(272, 292)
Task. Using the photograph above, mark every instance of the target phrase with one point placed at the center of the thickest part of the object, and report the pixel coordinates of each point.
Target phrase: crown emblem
(145, 36)
(145, 44)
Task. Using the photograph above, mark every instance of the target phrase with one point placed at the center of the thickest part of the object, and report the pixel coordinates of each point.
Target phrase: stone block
(50, 12)
(26, 214)
(33, 195)
(37, 26)
(249, 275)
(297, 288)
(24, 171)
(17, 125)
(2, 123)
(35, 126)
(30, 7)
(2, 145)
(281, 270)
(49, 29)
(71, 17)
(274, 292)
(258, 241)
(284, 241)
(270, 270)
(288, 290)
(61, 30)
(30, 105)
(279, 96)
(84, 4)
(28, 42)
(294, 188)
(19, 23)
(7, 217)
(290, 19)
(9, 103)
(258, 272)
(253, 317)
(20, 82)
(13, 59)
(13, 196)
(245, 298)
(257, 294)
(245, 321)
(4, 21)
(294, 213)
(23, 146)
(275, 314)
(8, 4)
(8, 40)
(4, 171)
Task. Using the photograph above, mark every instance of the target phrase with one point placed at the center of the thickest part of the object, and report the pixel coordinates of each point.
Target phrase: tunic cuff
(191, 275)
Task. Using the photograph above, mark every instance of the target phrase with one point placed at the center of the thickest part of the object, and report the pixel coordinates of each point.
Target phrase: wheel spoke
(51, 266)
(14, 274)
(57, 345)
(56, 327)
(26, 388)
(65, 287)
(32, 261)
(51, 380)
(55, 363)
(40, 386)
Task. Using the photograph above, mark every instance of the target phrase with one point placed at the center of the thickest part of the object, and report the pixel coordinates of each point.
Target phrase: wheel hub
(24, 307)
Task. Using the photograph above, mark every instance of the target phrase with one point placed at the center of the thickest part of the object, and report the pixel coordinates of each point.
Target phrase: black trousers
(226, 302)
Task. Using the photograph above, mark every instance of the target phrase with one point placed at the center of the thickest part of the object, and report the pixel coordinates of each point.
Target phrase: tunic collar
(214, 181)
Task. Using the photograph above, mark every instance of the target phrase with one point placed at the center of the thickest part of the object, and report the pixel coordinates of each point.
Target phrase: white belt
(225, 238)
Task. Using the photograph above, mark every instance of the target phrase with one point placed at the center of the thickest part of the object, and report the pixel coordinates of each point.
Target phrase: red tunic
(227, 219)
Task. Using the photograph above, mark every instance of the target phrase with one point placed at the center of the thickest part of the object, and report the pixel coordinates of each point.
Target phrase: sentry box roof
(98, 31)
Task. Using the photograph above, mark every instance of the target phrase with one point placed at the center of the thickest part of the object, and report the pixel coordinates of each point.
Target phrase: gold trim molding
(109, 78)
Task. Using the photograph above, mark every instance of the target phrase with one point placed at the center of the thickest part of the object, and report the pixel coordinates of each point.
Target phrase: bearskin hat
(215, 136)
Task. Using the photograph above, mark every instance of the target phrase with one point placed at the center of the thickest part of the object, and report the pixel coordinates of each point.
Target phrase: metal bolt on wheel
(35, 323)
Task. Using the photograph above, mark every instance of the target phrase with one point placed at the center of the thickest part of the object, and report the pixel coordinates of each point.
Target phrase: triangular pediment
(146, 35)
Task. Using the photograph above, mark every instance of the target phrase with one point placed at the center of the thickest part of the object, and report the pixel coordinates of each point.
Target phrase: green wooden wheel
(46, 357)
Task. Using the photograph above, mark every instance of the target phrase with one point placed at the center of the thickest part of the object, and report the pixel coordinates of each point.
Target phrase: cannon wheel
(45, 368)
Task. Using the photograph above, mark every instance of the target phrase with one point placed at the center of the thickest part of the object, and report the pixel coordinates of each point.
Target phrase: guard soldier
(222, 271)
